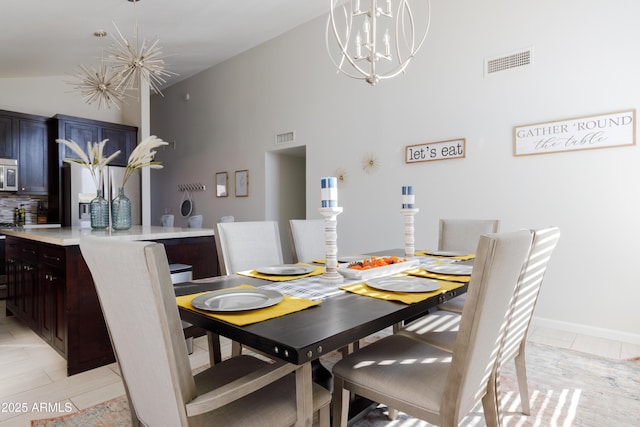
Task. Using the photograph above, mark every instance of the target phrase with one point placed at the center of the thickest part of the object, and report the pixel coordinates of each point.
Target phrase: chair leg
(215, 352)
(236, 348)
(396, 327)
(521, 375)
(350, 348)
(340, 401)
(491, 402)
(324, 416)
(393, 413)
(304, 396)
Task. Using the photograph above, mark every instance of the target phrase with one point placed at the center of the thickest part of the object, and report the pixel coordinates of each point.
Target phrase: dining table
(302, 337)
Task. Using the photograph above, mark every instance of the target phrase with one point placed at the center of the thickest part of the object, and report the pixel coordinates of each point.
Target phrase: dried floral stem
(93, 159)
(142, 156)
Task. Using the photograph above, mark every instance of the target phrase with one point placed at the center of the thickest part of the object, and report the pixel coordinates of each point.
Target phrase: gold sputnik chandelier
(376, 41)
(132, 64)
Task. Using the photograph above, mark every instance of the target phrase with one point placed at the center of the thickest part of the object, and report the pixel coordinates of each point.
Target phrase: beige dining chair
(134, 288)
(241, 246)
(246, 245)
(440, 328)
(427, 382)
(461, 235)
(307, 239)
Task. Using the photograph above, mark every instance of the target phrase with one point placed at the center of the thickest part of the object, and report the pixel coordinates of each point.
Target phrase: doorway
(286, 190)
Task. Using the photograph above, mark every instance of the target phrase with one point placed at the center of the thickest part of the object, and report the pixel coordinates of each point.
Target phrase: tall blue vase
(99, 210)
(121, 211)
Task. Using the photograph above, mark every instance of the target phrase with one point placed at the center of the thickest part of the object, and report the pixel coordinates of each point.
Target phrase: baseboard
(577, 328)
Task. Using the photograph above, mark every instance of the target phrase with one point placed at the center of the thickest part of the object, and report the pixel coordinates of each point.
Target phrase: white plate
(285, 269)
(404, 284)
(372, 273)
(455, 269)
(237, 299)
(445, 253)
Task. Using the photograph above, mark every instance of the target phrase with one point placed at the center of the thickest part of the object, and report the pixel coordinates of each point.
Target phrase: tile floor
(31, 373)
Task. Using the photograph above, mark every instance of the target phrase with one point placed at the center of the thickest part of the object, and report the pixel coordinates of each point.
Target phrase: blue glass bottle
(99, 210)
(121, 211)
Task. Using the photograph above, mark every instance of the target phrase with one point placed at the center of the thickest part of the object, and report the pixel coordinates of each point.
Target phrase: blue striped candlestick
(409, 210)
(329, 192)
(330, 211)
(408, 198)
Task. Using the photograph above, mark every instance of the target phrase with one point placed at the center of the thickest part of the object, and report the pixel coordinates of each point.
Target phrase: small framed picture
(242, 183)
(222, 180)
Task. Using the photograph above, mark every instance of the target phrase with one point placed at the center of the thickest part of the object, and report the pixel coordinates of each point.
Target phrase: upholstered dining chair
(134, 288)
(307, 239)
(461, 235)
(241, 246)
(246, 245)
(430, 383)
(440, 328)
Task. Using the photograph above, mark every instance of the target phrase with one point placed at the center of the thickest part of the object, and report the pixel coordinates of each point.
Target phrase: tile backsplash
(8, 202)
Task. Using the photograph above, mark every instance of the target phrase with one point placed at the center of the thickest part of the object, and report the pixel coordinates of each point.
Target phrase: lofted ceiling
(52, 37)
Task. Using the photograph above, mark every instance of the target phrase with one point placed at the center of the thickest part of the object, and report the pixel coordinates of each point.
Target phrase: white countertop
(69, 236)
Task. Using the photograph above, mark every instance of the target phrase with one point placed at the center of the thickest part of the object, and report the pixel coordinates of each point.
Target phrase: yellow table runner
(459, 257)
(317, 270)
(288, 305)
(405, 297)
(421, 272)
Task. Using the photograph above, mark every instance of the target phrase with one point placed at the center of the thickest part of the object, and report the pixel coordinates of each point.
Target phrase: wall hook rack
(192, 187)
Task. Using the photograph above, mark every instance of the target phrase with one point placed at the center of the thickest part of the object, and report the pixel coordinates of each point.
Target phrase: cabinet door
(13, 290)
(78, 132)
(119, 139)
(7, 137)
(32, 160)
(52, 296)
(30, 304)
(52, 312)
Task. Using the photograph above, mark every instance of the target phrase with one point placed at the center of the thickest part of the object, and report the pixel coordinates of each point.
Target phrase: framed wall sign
(582, 133)
(242, 183)
(440, 150)
(222, 179)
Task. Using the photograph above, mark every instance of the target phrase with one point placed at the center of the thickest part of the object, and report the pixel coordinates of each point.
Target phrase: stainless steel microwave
(8, 175)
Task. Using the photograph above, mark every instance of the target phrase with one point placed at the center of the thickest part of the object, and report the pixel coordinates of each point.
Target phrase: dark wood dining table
(304, 336)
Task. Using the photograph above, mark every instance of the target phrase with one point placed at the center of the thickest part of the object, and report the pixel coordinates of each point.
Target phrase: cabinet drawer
(29, 252)
(52, 255)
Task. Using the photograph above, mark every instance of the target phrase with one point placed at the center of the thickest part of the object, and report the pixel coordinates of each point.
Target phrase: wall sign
(441, 150)
(601, 131)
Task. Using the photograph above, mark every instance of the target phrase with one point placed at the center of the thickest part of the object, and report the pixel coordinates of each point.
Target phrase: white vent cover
(509, 61)
(285, 137)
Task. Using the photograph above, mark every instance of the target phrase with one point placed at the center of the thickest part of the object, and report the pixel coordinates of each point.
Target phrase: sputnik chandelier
(374, 52)
(133, 64)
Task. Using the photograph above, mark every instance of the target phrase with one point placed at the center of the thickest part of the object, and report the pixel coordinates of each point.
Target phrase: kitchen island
(50, 286)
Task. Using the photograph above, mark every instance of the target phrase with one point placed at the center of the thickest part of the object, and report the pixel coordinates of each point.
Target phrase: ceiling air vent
(509, 61)
(285, 137)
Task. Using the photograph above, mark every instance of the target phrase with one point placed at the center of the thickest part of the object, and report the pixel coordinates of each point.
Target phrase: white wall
(48, 96)
(586, 62)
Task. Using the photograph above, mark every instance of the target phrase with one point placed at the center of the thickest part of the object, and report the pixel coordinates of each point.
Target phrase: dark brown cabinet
(22, 276)
(81, 131)
(53, 326)
(8, 137)
(32, 157)
(121, 137)
(12, 267)
(25, 137)
(51, 289)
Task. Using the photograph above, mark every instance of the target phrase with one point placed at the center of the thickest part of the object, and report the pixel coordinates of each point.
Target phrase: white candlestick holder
(331, 274)
(409, 231)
